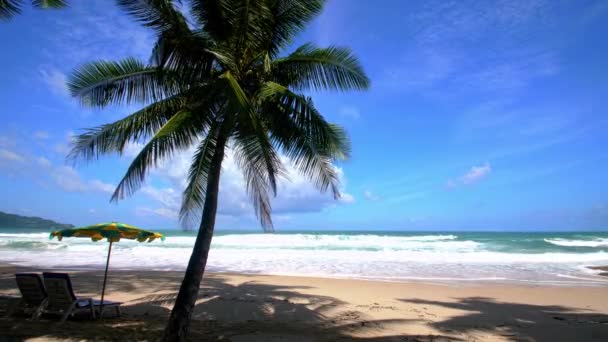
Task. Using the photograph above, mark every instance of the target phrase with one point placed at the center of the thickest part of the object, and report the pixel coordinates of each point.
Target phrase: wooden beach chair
(33, 294)
(62, 299)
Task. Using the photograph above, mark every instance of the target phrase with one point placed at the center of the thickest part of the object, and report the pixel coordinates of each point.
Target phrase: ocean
(463, 257)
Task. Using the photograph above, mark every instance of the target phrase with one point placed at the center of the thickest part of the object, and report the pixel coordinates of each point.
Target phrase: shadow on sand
(517, 321)
(247, 311)
(254, 311)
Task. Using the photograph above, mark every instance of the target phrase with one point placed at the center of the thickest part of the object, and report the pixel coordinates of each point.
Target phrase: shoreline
(242, 307)
(597, 277)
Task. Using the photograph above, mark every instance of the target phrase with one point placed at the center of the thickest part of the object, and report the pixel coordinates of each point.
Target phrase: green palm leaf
(10, 8)
(289, 17)
(111, 138)
(309, 141)
(49, 3)
(214, 16)
(178, 133)
(157, 14)
(99, 84)
(331, 68)
(194, 193)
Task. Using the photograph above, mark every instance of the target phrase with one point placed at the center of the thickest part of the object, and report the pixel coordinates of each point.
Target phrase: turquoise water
(547, 257)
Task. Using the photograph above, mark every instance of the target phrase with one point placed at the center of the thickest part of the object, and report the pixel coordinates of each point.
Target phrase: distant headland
(17, 221)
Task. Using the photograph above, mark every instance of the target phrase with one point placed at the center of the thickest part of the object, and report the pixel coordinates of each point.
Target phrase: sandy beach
(234, 307)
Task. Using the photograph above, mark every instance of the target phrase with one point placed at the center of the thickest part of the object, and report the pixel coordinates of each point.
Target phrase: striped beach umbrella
(113, 232)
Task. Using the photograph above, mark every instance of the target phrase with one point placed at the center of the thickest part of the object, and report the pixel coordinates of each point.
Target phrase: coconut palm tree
(10, 8)
(216, 81)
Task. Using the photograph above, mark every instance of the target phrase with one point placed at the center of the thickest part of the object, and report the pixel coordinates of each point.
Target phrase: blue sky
(481, 115)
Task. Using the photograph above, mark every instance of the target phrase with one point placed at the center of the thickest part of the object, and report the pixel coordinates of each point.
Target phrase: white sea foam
(578, 243)
(366, 256)
(338, 242)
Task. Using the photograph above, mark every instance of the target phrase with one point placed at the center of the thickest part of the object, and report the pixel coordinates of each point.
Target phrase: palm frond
(251, 134)
(288, 18)
(332, 68)
(251, 23)
(213, 16)
(99, 84)
(186, 54)
(240, 101)
(309, 141)
(260, 164)
(9, 8)
(256, 175)
(178, 133)
(160, 15)
(112, 138)
(193, 197)
(49, 3)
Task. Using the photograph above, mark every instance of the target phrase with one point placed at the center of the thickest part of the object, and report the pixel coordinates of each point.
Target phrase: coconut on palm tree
(220, 81)
(10, 8)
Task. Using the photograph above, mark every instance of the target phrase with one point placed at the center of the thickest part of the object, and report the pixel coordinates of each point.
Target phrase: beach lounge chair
(33, 294)
(62, 299)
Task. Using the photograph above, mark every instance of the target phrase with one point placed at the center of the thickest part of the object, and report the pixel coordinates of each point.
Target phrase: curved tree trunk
(179, 322)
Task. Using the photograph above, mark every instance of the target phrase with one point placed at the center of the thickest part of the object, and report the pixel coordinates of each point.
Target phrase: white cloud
(294, 194)
(474, 175)
(97, 185)
(64, 147)
(346, 198)
(350, 112)
(167, 196)
(370, 196)
(56, 81)
(132, 149)
(92, 211)
(164, 212)
(6, 141)
(407, 196)
(68, 179)
(41, 135)
(43, 162)
(87, 34)
(451, 184)
(17, 163)
(439, 58)
(10, 156)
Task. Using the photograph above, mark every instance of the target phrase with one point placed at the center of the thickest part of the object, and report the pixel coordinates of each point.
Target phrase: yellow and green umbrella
(113, 232)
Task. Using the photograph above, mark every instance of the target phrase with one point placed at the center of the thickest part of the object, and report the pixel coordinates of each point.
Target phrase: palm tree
(220, 82)
(10, 8)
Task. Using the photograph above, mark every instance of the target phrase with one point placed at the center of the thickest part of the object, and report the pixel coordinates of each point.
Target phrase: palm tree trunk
(179, 322)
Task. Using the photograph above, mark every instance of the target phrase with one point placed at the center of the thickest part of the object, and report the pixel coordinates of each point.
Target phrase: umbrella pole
(105, 278)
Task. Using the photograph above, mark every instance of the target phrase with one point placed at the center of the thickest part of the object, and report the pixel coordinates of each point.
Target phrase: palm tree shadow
(519, 321)
(254, 311)
(246, 311)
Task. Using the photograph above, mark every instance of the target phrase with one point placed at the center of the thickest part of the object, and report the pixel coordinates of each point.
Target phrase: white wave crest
(578, 243)
(338, 242)
(364, 256)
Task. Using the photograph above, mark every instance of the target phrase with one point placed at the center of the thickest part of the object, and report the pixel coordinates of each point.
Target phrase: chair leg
(117, 310)
(92, 308)
(39, 309)
(67, 313)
